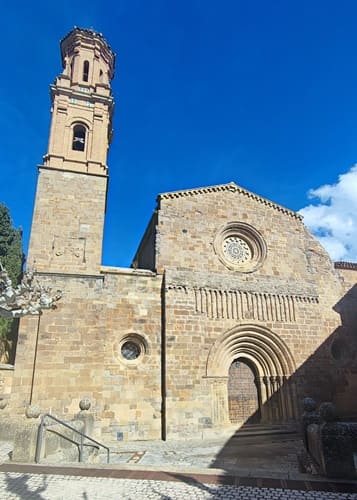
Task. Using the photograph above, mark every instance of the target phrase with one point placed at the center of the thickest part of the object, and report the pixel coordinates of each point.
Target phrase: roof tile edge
(232, 186)
(346, 265)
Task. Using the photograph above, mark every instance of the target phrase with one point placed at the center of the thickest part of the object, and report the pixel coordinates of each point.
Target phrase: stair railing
(81, 444)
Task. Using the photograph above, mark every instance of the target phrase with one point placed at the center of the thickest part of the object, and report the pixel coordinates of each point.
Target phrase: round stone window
(132, 348)
(240, 247)
(340, 351)
(236, 250)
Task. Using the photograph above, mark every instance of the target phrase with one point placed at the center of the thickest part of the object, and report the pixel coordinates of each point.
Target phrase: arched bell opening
(244, 398)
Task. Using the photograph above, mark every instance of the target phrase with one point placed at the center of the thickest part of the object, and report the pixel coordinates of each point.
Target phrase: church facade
(230, 314)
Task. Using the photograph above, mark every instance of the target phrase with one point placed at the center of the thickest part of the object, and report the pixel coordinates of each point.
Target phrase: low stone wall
(6, 376)
(58, 443)
(330, 443)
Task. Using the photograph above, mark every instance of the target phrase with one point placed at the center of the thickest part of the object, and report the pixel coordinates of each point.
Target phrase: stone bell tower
(67, 227)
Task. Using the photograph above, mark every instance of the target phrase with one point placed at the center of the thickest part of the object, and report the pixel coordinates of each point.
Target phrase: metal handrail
(61, 422)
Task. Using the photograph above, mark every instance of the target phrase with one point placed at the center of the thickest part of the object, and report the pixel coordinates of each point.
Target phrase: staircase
(268, 432)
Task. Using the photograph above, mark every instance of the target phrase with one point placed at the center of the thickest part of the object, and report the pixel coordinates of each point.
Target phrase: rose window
(236, 250)
(240, 247)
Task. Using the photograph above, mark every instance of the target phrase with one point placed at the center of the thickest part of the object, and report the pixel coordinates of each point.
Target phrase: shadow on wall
(329, 374)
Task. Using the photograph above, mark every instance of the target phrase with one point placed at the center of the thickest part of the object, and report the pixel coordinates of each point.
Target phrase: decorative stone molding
(270, 360)
(233, 187)
(84, 404)
(244, 305)
(240, 247)
(33, 411)
(267, 351)
(238, 305)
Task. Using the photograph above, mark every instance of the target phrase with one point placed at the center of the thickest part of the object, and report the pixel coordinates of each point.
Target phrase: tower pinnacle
(82, 105)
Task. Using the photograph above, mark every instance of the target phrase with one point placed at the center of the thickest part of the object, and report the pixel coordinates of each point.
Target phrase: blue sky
(263, 93)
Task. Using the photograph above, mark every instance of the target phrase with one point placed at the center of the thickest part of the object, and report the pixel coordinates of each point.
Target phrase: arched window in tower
(85, 71)
(79, 137)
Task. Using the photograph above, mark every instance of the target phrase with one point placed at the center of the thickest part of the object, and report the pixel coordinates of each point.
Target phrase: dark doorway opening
(243, 397)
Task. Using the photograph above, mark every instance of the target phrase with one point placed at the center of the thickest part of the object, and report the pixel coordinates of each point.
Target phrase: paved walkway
(254, 457)
(45, 483)
(177, 470)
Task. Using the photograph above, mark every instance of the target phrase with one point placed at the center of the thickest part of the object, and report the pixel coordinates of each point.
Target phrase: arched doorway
(270, 362)
(243, 397)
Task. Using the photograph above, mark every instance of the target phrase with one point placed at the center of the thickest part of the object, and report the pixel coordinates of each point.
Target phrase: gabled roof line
(231, 186)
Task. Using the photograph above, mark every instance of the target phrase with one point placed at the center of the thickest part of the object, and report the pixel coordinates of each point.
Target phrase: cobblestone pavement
(56, 487)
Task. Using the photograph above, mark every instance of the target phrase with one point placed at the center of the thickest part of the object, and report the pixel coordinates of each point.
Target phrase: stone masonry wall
(292, 294)
(78, 353)
(190, 336)
(343, 347)
(67, 228)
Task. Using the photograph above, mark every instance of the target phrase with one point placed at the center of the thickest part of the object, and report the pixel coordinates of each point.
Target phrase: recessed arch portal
(269, 352)
(271, 362)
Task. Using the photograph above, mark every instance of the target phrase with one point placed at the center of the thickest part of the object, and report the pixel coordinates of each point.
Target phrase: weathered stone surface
(329, 442)
(25, 439)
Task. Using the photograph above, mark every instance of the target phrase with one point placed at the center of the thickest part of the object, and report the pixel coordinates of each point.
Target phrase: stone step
(255, 430)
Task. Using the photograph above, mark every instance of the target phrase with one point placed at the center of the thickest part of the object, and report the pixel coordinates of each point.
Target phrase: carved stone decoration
(236, 250)
(240, 247)
(310, 416)
(28, 298)
(33, 411)
(238, 304)
(73, 249)
(84, 404)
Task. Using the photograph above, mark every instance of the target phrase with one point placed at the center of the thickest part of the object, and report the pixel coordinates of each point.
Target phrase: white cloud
(333, 220)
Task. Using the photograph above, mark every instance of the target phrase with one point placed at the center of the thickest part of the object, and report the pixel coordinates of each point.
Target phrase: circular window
(236, 250)
(132, 348)
(340, 351)
(240, 247)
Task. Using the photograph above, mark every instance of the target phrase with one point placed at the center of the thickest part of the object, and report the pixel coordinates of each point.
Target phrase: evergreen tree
(11, 254)
(12, 259)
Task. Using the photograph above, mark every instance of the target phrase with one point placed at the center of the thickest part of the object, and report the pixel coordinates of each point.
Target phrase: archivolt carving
(265, 349)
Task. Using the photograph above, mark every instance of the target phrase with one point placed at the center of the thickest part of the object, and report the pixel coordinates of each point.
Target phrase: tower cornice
(77, 93)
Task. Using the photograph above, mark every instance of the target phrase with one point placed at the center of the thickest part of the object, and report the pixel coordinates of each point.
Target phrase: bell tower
(68, 220)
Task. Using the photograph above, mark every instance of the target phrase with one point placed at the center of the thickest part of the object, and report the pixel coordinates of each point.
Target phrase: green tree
(12, 258)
